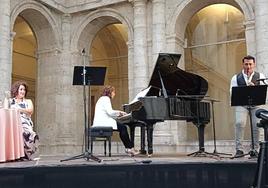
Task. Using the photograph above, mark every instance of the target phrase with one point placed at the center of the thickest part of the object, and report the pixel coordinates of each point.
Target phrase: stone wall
(62, 30)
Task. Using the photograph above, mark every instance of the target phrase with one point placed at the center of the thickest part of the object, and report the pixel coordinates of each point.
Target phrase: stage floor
(160, 170)
(125, 159)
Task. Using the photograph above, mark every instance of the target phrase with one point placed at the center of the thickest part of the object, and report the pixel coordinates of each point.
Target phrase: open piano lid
(175, 80)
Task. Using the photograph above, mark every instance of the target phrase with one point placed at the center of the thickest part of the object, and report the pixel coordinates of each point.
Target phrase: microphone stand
(260, 179)
(86, 154)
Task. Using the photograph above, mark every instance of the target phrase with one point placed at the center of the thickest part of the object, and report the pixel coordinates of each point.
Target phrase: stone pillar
(158, 17)
(5, 46)
(140, 67)
(64, 95)
(60, 104)
(250, 37)
(130, 71)
(261, 33)
(176, 44)
(261, 25)
(163, 134)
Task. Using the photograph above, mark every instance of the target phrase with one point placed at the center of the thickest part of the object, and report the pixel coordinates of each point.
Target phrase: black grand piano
(173, 94)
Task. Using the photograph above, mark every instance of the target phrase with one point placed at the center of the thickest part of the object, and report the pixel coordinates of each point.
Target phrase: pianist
(105, 116)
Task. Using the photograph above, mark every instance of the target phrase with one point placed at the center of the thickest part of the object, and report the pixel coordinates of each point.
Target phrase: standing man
(247, 77)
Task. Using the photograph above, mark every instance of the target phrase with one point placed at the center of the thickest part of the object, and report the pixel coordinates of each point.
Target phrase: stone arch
(98, 19)
(176, 30)
(184, 11)
(40, 19)
(46, 28)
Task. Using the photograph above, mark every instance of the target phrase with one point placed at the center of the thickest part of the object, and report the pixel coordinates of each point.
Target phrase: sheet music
(140, 94)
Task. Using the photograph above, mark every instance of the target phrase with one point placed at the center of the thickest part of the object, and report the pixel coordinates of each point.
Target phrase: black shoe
(239, 153)
(253, 154)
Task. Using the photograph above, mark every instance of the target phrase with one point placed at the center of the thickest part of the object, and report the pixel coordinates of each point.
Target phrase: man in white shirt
(247, 77)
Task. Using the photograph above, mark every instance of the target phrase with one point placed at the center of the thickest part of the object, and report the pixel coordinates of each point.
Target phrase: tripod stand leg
(252, 153)
(260, 166)
(214, 133)
(92, 157)
(259, 171)
(85, 155)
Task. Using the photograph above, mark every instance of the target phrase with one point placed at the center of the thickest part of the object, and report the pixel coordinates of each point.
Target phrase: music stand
(94, 75)
(87, 76)
(249, 96)
(215, 152)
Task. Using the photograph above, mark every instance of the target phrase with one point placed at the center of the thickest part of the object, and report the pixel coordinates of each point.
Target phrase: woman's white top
(104, 113)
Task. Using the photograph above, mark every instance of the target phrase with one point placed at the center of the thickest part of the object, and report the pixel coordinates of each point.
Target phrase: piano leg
(201, 133)
(201, 152)
(142, 135)
(150, 128)
(142, 150)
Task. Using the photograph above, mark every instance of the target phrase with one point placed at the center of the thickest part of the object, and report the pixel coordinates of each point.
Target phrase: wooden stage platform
(163, 171)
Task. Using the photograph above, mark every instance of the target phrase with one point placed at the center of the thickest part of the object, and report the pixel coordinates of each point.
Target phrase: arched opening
(34, 60)
(215, 46)
(105, 38)
(24, 58)
(104, 35)
(109, 49)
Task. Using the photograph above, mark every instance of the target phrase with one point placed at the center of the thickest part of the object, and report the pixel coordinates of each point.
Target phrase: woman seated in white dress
(25, 107)
(105, 116)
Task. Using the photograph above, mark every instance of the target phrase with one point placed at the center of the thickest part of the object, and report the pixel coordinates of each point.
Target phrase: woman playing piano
(105, 116)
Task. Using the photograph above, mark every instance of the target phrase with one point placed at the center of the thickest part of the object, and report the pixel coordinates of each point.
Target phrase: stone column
(60, 104)
(140, 68)
(176, 44)
(261, 25)
(250, 37)
(163, 134)
(261, 33)
(130, 70)
(158, 17)
(5, 46)
(64, 95)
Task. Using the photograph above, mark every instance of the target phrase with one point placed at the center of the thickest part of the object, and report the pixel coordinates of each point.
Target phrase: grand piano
(172, 94)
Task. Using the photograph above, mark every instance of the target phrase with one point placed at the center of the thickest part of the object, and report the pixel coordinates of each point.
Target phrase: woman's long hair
(107, 91)
(15, 88)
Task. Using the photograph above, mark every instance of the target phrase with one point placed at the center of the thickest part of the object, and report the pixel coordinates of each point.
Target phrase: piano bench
(101, 134)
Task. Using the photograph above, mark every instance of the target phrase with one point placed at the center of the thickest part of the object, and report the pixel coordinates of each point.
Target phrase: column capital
(158, 1)
(66, 31)
(130, 44)
(134, 2)
(67, 16)
(175, 39)
(12, 35)
(249, 24)
(50, 51)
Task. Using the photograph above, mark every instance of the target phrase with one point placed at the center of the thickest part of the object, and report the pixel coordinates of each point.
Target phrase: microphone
(262, 113)
(247, 72)
(261, 79)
